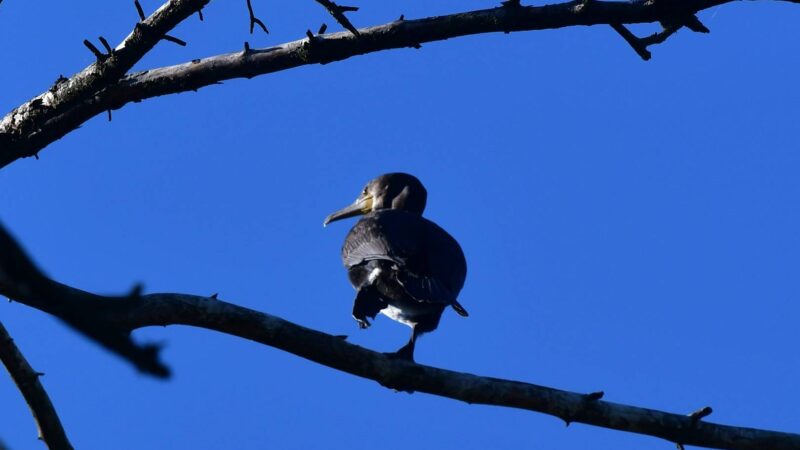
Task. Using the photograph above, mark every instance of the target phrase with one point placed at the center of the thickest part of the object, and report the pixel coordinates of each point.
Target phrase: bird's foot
(363, 323)
(406, 353)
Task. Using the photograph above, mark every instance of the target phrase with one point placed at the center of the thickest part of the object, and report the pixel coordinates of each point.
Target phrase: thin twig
(255, 20)
(27, 380)
(337, 12)
(139, 9)
(97, 53)
(175, 40)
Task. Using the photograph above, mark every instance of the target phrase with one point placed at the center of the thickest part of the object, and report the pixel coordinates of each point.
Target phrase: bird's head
(390, 191)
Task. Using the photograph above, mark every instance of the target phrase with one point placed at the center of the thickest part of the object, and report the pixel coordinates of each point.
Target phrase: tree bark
(109, 321)
(101, 87)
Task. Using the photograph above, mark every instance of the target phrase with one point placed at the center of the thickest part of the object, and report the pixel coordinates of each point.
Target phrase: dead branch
(33, 126)
(337, 12)
(106, 319)
(41, 117)
(255, 20)
(27, 380)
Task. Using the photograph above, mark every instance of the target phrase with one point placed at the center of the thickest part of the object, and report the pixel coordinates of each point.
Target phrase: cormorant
(400, 263)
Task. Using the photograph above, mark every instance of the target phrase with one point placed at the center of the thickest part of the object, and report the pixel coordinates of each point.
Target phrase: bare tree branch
(21, 279)
(47, 118)
(640, 45)
(35, 120)
(27, 380)
(337, 12)
(255, 20)
(108, 318)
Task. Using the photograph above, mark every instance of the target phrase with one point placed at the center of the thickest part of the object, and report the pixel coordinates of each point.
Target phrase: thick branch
(21, 281)
(27, 380)
(23, 133)
(31, 126)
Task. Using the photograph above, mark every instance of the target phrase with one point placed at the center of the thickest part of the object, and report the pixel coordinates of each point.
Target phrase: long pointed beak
(362, 205)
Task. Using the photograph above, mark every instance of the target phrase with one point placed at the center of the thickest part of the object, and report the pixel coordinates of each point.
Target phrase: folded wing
(430, 264)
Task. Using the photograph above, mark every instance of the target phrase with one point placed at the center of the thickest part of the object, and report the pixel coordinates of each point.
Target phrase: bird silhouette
(400, 263)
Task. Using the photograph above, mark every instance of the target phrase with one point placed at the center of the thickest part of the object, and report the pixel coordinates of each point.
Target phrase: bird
(400, 263)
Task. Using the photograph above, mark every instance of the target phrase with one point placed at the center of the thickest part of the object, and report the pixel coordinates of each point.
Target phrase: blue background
(630, 226)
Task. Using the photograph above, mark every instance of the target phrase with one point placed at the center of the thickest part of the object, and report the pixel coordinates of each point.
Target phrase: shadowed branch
(110, 317)
(27, 380)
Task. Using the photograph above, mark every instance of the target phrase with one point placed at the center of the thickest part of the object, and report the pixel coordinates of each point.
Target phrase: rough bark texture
(110, 319)
(99, 87)
(45, 118)
(104, 86)
(27, 380)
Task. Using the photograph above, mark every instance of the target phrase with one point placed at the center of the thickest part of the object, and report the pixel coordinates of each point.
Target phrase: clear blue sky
(629, 226)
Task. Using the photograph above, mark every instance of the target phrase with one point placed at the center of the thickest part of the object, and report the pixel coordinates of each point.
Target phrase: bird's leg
(367, 304)
(407, 351)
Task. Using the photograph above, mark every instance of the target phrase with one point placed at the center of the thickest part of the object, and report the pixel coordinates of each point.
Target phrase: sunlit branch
(108, 318)
(48, 117)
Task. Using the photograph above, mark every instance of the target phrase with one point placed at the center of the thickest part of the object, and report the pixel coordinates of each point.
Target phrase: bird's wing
(369, 241)
(431, 265)
(425, 288)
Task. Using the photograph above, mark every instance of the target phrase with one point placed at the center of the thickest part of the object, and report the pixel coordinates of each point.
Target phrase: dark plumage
(400, 263)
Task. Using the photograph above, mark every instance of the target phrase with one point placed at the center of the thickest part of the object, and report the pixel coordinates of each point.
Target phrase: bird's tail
(459, 309)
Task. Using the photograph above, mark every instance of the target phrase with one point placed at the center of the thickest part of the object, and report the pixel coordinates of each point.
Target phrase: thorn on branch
(200, 14)
(322, 29)
(105, 45)
(310, 35)
(511, 4)
(139, 9)
(337, 11)
(635, 43)
(213, 296)
(97, 53)
(594, 396)
(136, 291)
(57, 83)
(254, 20)
(402, 18)
(417, 45)
(109, 115)
(180, 42)
(699, 414)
